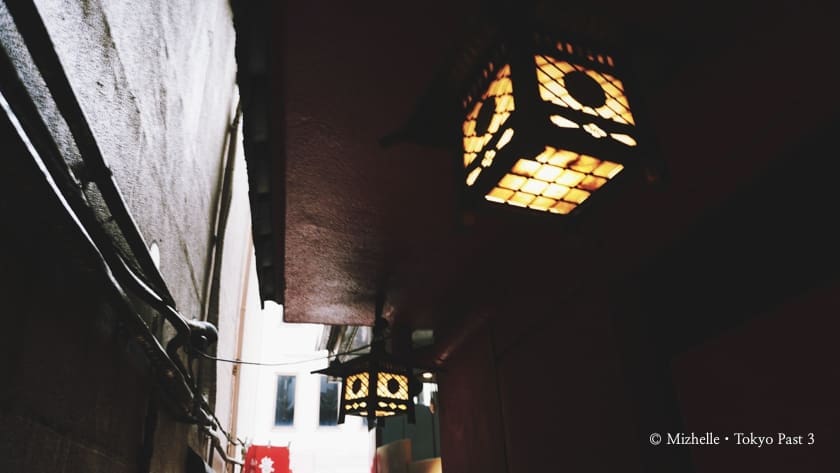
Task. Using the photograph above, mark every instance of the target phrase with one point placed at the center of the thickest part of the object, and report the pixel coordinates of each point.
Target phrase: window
(328, 412)
(284, 410)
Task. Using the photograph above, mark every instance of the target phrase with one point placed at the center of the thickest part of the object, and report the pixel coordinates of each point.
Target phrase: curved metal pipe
(217, 445)
(155, 293)
(172, 383)
(34, 33)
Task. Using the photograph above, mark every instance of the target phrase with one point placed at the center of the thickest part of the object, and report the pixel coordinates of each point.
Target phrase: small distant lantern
(375, 385)
(547, 124)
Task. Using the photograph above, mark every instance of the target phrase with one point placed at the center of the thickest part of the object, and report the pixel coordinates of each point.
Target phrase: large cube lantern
(547, 125)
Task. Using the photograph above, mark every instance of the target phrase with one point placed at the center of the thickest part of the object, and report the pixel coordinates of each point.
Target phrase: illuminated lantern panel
(561, 81)
(392, 391)
(390, 397)
(485, 120)
(376, 384)
(579, 118)
(555, 181)
(356, 386)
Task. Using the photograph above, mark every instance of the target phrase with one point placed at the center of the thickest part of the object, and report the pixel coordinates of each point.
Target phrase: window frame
(337, 385)
(293, 390)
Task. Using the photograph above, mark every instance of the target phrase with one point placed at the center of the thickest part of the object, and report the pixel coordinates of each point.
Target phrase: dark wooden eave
(262, 139)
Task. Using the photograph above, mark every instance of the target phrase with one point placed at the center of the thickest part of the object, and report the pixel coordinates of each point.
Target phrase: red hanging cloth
(266, 459)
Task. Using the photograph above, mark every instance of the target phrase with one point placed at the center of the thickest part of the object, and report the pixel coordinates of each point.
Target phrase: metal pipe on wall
(23, 116)
(31, 28)
(151, 287)
(167, 371)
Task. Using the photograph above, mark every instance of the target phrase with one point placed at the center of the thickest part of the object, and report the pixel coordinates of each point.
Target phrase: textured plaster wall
(156, 81)
(74, 395)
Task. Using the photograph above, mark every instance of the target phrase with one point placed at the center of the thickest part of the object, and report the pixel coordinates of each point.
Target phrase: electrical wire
(237, 440)
(286, 363)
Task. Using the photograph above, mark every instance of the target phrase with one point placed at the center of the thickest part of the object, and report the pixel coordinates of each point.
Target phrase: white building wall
(345, 448)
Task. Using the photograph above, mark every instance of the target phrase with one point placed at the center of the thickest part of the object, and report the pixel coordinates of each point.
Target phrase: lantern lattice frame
(389, 396)
(548, 125)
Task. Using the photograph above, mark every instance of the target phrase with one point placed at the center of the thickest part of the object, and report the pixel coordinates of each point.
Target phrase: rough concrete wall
(74, 393)
(156, 81)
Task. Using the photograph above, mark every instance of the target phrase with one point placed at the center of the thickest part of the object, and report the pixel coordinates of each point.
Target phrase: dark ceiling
(727, 87)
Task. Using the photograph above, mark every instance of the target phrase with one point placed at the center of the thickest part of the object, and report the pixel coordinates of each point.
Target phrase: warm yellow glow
(594, 130)
(521, 199)
(550, 76)
(546, 155)
(469, 128)
(551, 90)
(350, 382)
(607, 113)
(526, 167)
(473, 176)
(534, 186)
(469, 158)
(473, 144)
(499, 97)
(576, 195)
(555, 191)
(585, 163)
(570, 178)
(512, 181)
(548, 173)
(499, 195)
(563, 122)
(542, 203)
(504, 103)
(427, 375)
(400, 381)
(507, 135)
(384, 409)
(473, 115)
(488, 158)
(608, 169)
(561, 157)
(562, 208)
(592, 183)
(626, 139)
(495, 123)
(558, 187)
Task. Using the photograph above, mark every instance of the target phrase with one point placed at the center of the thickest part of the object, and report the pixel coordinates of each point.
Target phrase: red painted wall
(776, 374)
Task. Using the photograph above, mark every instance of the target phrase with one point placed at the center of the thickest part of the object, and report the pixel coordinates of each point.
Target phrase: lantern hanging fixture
(547, 124)
(376, 385)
